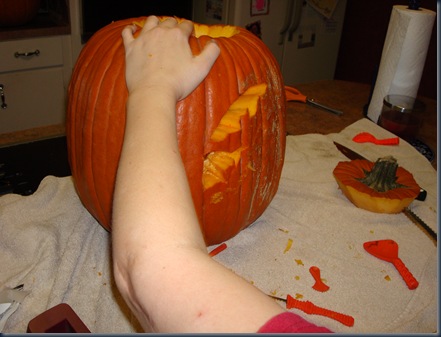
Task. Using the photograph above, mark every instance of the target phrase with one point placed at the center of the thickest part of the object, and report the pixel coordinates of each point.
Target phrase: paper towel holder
(414, 4)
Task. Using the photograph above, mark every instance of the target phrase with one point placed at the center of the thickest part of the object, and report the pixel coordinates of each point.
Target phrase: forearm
(151, 171)
(161, 264)
(149, 181)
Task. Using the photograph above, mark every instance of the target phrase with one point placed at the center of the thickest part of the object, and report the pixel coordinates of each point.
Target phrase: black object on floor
(23, 166)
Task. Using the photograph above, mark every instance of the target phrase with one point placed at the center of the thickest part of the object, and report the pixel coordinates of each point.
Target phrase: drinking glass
(402, 115)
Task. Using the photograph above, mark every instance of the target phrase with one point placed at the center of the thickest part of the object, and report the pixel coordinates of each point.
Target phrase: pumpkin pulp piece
(217, 166)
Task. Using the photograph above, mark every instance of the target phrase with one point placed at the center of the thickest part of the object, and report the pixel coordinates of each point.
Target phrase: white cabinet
(304, 42)
(34, 75)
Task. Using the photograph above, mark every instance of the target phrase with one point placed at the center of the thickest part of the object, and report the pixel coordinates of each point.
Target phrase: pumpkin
(231, 129)
(381, 187)
(17, 12)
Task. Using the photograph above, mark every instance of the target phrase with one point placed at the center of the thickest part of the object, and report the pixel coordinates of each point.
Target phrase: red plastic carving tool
(218, 249)
(319, 285)
(312, 309)
(366, 137)
(387, 250)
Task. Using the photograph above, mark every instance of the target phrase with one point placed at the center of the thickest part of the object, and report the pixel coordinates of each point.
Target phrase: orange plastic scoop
(366, 137)
(387, 250)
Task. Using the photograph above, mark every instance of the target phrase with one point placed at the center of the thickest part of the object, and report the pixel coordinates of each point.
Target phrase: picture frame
(259, 7)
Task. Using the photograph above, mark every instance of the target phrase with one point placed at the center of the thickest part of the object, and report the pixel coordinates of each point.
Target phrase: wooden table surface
(350, 98)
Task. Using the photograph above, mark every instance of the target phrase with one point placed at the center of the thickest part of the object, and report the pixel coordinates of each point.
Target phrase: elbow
(124, 282)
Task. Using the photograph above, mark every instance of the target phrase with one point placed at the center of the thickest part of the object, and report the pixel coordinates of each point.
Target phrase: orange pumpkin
(381, 187)
(231, 129)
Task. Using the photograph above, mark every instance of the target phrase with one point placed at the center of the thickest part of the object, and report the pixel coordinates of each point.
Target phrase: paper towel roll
(403, 57)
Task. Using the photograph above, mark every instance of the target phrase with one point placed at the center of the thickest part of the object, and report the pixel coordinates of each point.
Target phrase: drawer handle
(29, 53)
(2, 95)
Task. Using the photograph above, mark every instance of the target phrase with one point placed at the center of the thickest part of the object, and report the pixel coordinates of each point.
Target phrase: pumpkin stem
(382, 177)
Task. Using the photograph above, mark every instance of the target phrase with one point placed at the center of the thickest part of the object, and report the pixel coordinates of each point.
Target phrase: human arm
(161, 263)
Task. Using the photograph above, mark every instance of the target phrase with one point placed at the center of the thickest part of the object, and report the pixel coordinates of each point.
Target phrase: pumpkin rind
(347, 175)
(96, 122)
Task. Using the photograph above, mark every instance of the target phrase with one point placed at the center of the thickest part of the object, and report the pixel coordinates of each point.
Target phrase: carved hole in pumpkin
(218, 164)
(214, 31)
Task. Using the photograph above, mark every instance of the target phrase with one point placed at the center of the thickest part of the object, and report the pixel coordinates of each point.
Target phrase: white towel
(328, 231)
(52, 245)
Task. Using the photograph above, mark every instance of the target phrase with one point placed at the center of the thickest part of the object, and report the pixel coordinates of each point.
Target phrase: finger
(151, 22)
(187, 27)
(204, 61)
(127, 34)
(169, 22)
(208, 56)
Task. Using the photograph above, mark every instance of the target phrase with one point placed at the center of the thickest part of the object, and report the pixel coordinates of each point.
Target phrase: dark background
(99, 13)
(364, 32)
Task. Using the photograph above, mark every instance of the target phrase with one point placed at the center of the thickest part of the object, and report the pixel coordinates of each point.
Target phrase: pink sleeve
(290, 322)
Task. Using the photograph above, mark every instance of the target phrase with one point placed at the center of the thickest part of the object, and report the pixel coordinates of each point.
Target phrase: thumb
(200, 68)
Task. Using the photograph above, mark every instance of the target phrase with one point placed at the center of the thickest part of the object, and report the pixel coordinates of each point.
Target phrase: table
(326, 230)
(350, 98)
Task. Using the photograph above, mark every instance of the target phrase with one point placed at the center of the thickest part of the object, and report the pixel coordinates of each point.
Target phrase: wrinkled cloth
(56, 249)
(328, 231)
(52, 245)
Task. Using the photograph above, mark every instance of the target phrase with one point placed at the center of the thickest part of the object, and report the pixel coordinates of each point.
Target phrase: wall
(361, 45)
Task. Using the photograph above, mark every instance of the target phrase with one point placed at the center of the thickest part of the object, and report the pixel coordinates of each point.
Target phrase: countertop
(350, 98)
(275, 253)
(301, 118)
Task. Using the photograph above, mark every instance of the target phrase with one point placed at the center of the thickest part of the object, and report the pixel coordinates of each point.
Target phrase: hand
(160, 58)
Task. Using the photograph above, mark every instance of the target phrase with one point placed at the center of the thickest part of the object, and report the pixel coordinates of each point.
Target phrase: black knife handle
(422, 196)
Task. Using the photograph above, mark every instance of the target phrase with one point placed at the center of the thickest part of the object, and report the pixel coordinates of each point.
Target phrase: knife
(410, 214)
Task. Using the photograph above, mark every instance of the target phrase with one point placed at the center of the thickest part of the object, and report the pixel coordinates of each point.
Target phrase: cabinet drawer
(49, 48)
(34, 98)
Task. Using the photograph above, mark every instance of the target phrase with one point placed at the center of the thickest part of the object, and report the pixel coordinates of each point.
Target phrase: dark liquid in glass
(404, 125)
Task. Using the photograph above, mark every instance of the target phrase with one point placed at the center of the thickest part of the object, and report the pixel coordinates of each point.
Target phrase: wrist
(154, 93)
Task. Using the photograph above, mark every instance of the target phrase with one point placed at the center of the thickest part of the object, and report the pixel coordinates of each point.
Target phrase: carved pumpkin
(231, 129)
(381, 187)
